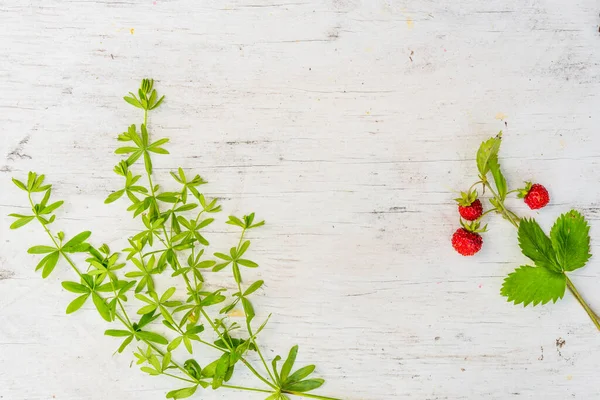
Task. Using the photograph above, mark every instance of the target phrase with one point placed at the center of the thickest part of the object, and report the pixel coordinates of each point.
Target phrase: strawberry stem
(509, 215)
(586, 307)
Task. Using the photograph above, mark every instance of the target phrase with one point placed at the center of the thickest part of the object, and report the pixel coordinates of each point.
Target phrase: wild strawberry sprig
(566, 249)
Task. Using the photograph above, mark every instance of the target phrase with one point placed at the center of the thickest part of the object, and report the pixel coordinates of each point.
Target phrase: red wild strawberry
(469, 206)
(535, 195)
(466, 242)
(472, 211)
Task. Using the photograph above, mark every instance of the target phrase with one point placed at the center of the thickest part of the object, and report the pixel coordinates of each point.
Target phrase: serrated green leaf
(499, 179)
(487, 150)
(571, 241)
(533, 285)
(536, 245)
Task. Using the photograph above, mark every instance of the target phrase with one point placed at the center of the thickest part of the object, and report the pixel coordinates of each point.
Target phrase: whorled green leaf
(300, 374)
(182, 393)
(254, 287)
(102, 307)
(75, 287)
(125, 344)
(221, 371)
(48, 262)
(152, 337)
(288, 364)
(306, 386)
(248, 309)
(117, 333)
(41, 249)
(114, 196)
(21, 222)
(77, 303)
(76, 244)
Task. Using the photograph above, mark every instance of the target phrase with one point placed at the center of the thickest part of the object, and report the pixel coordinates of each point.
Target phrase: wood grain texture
(347, 125)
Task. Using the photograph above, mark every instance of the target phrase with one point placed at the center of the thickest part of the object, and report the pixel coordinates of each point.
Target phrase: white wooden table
(347, 125)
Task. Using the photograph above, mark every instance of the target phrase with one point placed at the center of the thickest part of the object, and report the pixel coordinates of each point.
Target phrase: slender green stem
(247, 389)
(310, 396)
(248, 326)
(151, 252)
(256, 373)
(475, 184)
(179, 377)
(120, 303)
(581, 301)
(487, 212)
(212, 345)
(503, 209)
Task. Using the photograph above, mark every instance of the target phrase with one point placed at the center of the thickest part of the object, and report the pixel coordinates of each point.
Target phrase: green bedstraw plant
(566, 249)
(170, 241)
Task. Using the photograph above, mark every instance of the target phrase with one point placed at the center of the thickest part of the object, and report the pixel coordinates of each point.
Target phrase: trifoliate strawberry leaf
(498, 177)
(533, 285)
(571, 241)
(536, 245)
(487, 150)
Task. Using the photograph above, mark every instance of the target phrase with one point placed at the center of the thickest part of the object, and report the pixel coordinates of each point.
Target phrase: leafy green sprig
(171, 239)
(565, 250)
